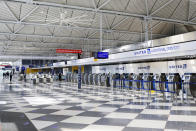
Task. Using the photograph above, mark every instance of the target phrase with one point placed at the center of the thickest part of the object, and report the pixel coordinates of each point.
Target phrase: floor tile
(160, 104)
(112, 121)
(127, 110)
(155, 111)
(158, 107)
(152, 117)
(55, 118)
(185, 108)
(80, 108)
(104, 109)
(57, 107)
(67, 112)
(181, 125)
(81, 120)
(102, 128)
(90, 104)
(147, 124)
(65, 127)
(181, 112)
(120, 115)
(43, 111)
(130, 106)
(182, 118)
(141, 129)
(93, 114)
(15, 121)
(111, 105)
(42, 124)
(33, 115)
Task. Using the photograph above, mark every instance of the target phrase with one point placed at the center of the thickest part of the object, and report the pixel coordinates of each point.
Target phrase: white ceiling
(123, 23)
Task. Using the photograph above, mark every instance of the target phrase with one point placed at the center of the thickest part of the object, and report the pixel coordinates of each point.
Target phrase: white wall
(182, 66)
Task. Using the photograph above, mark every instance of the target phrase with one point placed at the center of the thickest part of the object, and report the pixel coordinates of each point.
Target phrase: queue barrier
(155, 88)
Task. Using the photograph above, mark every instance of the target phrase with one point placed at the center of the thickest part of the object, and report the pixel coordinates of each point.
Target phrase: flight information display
(101, 55)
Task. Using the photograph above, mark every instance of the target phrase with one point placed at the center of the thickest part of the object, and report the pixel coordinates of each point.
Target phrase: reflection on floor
(15, 121)
(61, 107)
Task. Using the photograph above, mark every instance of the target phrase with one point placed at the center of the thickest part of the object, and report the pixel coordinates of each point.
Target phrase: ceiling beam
(71, 27)
(104, 4)
(38, 44)
(116, 25)
(63, 37)
(160, 8)
(34, 57)
(193, 19)
(168, 20)
(10, 12)
(28, 14)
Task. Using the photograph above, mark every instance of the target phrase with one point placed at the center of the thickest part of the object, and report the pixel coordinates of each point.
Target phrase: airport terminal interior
(97, 65)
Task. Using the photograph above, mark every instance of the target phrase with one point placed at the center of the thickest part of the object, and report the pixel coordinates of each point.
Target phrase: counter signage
(183, 66)
(144, 68)
(104, 69)
(120, 68)
(157, 50)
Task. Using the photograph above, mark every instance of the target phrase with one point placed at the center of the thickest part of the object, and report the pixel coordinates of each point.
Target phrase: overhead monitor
(101, 55)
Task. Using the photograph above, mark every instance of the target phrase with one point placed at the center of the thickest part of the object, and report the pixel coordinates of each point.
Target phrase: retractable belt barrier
(154, 85)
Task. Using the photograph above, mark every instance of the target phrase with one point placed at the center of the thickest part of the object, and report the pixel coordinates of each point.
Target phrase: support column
(79, 77)
(79, 74)
(101, 32)
(146, 29)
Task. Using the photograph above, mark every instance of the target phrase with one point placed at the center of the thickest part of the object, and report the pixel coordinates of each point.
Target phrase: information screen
(101, 55)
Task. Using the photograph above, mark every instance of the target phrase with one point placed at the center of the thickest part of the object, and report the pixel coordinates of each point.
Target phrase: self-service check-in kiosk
(103, 80)
(69, 77)
(174, 83)
(163, 80)
(99, 79)
(75, 77)
(86, 78)
(42, 79)
(49, 78)
(90, 79)
(94, 79)
(35, 79)
(108, 80)
(156, 79)
(130, 78)
(116, 80)
(138, 81)
(189, 83)
(126, 80)
(148, 81)
(83, 75)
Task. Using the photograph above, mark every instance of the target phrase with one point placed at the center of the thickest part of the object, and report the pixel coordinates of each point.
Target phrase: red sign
(68, 51)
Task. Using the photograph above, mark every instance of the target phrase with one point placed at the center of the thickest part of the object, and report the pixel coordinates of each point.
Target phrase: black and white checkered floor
(61, 107)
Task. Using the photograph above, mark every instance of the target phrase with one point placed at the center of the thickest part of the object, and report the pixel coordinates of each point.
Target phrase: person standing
(10, 76)
(25, 77)
(59, 76)
(7, 75)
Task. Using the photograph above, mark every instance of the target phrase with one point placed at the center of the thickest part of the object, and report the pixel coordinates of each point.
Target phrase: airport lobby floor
(61, 107)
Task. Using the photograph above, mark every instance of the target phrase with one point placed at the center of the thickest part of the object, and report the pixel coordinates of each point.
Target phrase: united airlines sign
(144, 68)
(120, 68)
(157, 50)
(183, 66)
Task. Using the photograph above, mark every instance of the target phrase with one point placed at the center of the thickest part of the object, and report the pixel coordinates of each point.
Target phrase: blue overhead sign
(101, 55)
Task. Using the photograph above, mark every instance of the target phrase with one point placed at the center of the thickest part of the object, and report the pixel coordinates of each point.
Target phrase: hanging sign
(68, 51)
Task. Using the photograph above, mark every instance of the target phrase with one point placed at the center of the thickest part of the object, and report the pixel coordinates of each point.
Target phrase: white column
(101, 32)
